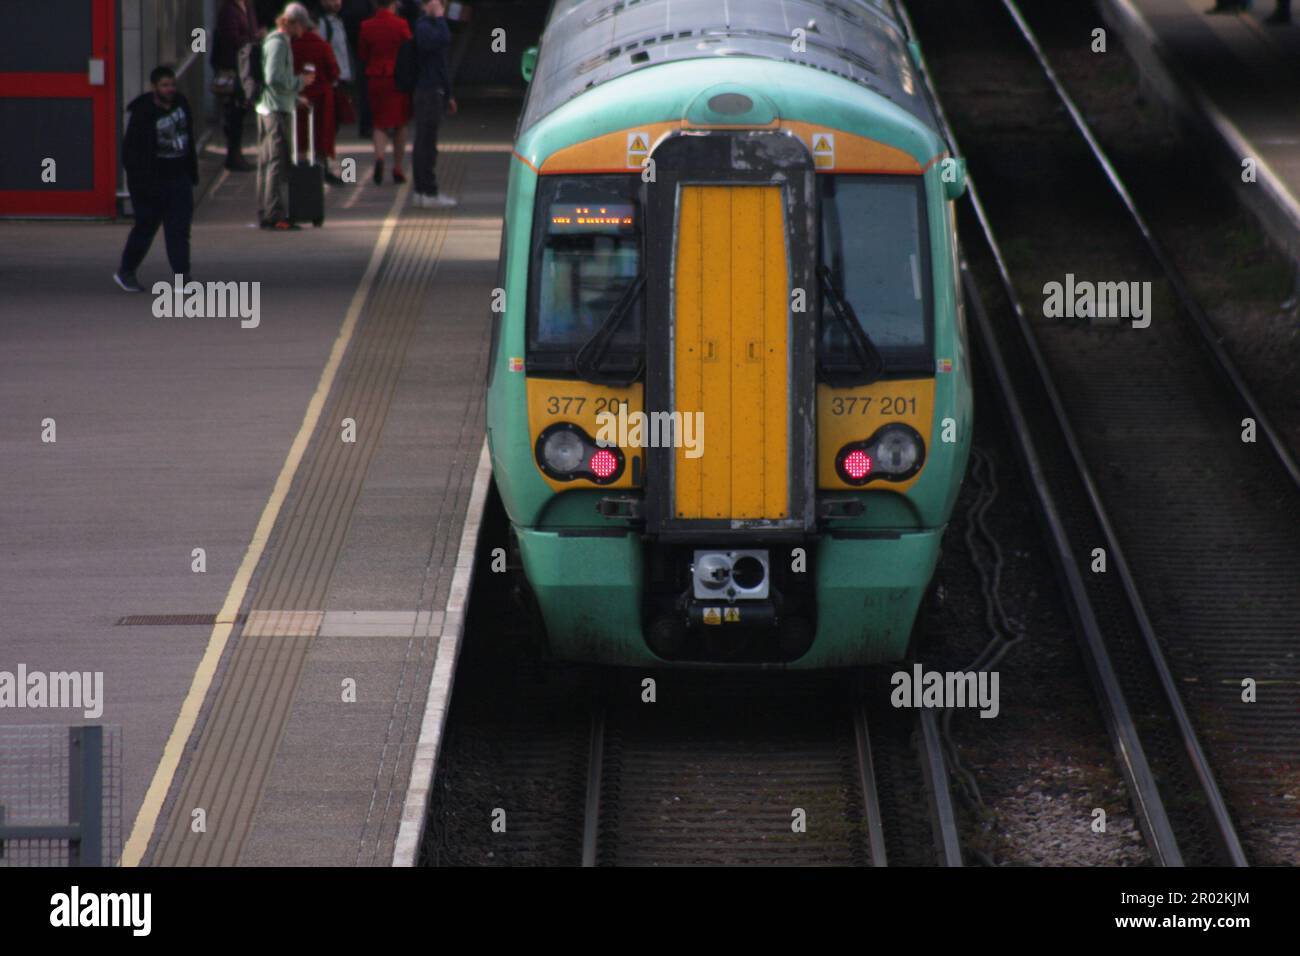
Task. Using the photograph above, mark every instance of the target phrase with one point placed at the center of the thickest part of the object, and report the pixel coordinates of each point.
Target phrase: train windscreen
(875, 244)
(587, 252)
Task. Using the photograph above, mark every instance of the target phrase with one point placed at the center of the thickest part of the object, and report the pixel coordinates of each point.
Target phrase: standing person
(275, 109)
(432, 96)
(311, 50)
(330, 26)
(390, 109)
(162, 169)
(356, 12)
(236, 28)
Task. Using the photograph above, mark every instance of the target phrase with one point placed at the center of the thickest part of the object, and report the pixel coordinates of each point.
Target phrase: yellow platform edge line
(151, 808)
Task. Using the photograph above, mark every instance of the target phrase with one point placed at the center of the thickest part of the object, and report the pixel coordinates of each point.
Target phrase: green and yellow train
(729, 404)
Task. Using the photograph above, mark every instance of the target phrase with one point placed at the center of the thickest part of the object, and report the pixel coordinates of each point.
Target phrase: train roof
(590, 42)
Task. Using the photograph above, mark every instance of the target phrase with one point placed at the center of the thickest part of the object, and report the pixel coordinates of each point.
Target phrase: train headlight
(566, 453)
(563, 451)
(898, 450)
(894, 453)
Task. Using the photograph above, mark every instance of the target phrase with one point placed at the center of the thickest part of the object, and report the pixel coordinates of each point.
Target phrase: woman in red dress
(311, 48)
(390, 109)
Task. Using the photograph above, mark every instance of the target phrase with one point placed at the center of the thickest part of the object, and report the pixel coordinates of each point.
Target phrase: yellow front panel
(846, 415)
(731, 294)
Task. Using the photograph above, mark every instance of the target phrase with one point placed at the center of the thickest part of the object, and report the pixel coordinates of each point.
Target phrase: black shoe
(398, 177)
(237, 164)
(126, 282)
(378, 174)
(1277, 18)
(332, 177)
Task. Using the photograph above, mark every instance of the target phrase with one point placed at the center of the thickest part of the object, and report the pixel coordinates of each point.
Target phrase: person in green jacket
(281, 93)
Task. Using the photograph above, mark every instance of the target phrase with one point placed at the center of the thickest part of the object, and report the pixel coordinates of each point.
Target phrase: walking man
(431, 97)
(281, 94)
(162, 169)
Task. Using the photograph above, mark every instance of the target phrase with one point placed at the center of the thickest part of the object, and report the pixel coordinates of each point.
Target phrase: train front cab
(738, 474)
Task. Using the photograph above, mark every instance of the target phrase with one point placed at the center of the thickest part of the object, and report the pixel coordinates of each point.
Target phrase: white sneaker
(420, 200)
(439, 202)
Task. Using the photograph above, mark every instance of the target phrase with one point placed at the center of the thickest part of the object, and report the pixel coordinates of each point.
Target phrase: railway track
(1139, 430)
(766, 770)
(708, 775)
(548, 764)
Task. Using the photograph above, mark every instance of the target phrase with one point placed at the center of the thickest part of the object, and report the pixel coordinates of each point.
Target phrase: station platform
(1238, 80)
(271, 704)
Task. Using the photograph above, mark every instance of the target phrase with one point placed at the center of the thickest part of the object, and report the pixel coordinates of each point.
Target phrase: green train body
(699, 218)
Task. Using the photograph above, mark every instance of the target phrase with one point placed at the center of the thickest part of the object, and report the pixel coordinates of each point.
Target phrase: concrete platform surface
(293, 707)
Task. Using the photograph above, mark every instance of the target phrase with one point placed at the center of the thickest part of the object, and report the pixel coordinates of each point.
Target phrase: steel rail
(1134, 765)
(1191, 305)
(870, 794)
(934, 768)
(1225, 829)
(595, 774)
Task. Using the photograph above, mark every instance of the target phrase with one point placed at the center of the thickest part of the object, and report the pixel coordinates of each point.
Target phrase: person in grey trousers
(432, 96)
(281, 93)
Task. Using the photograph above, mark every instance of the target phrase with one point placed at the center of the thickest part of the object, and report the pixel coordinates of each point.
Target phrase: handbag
(344, 112)
(224, 83)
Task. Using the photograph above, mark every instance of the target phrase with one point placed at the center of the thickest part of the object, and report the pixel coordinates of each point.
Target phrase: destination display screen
(587, 219)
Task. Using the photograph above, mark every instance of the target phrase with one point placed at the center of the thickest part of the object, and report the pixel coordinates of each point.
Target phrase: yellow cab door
(731, 356)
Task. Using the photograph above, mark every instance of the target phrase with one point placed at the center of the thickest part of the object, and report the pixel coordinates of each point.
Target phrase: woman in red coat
(311, 48)
(390, 109)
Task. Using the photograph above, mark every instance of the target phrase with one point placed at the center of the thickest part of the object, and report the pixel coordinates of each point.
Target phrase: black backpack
(250, 70)
(406, 70)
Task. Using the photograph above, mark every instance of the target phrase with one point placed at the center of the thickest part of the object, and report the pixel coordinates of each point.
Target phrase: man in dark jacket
(162, 169)
(431, 98)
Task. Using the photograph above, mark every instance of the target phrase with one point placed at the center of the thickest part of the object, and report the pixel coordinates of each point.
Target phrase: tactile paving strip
(237, 741)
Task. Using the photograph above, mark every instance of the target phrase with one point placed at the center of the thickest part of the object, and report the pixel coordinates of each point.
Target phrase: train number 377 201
(862, 405)
(574, 404)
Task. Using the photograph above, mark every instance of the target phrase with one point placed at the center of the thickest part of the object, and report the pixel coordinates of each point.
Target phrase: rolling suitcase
(306, 179)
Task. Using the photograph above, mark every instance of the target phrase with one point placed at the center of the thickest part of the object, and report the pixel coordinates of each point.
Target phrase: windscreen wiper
(592, 353)
(865, 354)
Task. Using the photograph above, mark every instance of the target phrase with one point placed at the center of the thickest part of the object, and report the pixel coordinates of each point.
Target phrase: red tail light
(603, 463)
(856, 464)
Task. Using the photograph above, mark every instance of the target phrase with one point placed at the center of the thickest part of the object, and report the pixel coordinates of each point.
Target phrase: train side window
(586, 253)
(875, 242)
